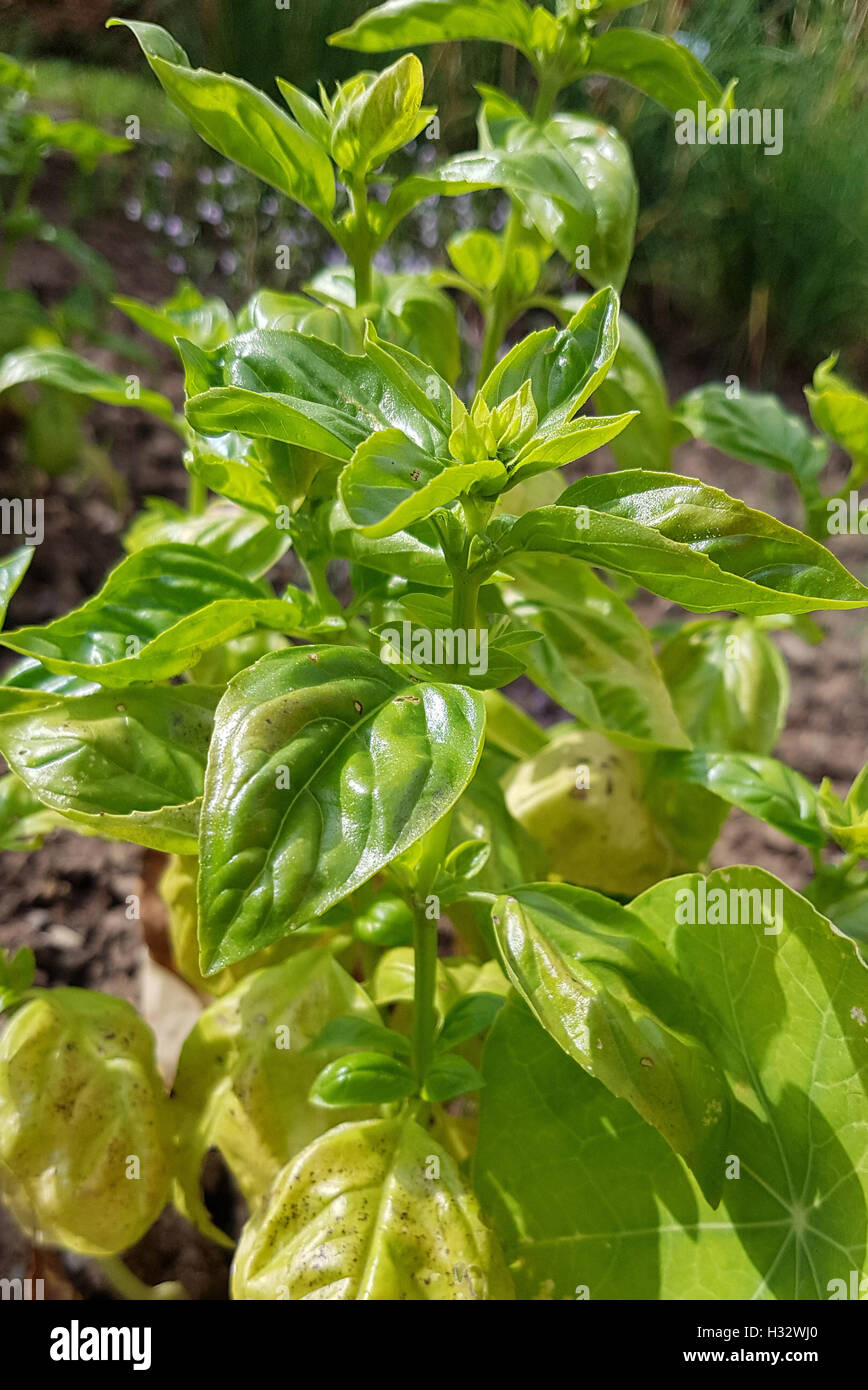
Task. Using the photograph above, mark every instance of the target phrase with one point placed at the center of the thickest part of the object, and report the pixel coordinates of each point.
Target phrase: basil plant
(477, 1022)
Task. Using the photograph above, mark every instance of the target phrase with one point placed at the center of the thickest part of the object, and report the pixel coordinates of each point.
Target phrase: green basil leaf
(127, 765)
(24, 820)
(482, 814)
(563, 365)
(839, 410)
(477, 254)
(17, 973)
(690, 543)
(509, 729)
(414, 314)
(177, 888)
(246, 482)
(387, 922)
(456, 976)
(382, 116)
(763, 787)
(363, 1078)
(86, 143)
(596, 981)
(430, 398)
(13, 568)
(584, 801)
(308, 392)
(756, 429)
(414, 554)
(592, 221)
(729, 684)
(245, 541)
(473, 1014)
(206, 322)
(156, 614)
(659, 66)
(60, 367)
(586, 434)
(32, 676)
(307, 113)
(451, 1076)
(594, 656)
(362, 1033)
(546, 172)
(466, 860)
(296, 312)
(80, 1094)
(240, 122)
(372, 761)
(408, 23)
(847, 822)
(246, 1069)
(14, 75)
(402, 1223)
(634, 381)
(390, 483)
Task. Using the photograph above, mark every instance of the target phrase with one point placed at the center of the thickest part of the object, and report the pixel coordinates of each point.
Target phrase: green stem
(133, 1288)
(499, 312)
(197, 495)
(465, 597)
(316, 571)
(434, 845)
(549, 86)
(495, 327)
(360, 244)
(424, 987)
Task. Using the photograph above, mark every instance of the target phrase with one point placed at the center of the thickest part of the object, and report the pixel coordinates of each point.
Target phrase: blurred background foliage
(745, 262)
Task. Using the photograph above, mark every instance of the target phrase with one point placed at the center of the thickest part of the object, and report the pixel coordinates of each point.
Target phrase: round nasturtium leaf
(587, 1197)
(581, 797)
(371, 1211)
(83, 1151)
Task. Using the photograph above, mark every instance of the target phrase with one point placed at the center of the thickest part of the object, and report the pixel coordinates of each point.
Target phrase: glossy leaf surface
(368, 759)
(130, 766)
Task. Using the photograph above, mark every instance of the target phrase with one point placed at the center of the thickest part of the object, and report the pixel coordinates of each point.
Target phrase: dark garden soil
(68, 901)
